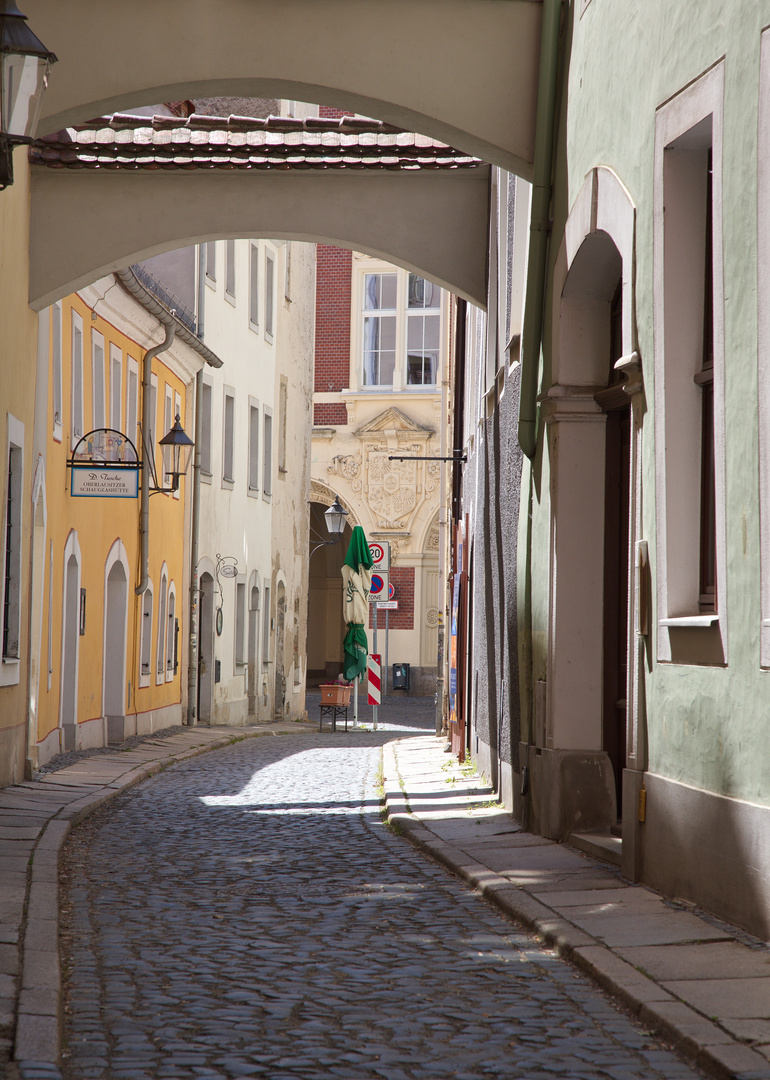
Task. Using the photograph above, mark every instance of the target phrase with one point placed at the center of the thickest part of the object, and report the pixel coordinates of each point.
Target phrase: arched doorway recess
(116, 578)
(206, 646)
(592, 410)
(326, 629)
(68, 694)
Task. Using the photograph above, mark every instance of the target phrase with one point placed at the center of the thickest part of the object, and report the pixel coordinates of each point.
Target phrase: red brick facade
(330, 415)
(332, 331)
(402, 580)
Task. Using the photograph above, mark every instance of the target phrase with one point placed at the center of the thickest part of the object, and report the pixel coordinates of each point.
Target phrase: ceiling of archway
(462, 71)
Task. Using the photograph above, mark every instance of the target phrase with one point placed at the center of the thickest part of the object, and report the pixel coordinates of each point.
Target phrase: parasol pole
(355, 702)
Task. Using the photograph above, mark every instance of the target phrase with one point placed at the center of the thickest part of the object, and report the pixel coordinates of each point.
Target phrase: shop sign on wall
(104, 465)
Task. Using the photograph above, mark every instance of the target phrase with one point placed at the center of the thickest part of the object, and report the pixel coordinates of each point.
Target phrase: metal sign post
(374, 651)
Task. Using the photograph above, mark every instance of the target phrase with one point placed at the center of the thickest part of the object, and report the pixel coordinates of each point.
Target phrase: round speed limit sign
(377, 551)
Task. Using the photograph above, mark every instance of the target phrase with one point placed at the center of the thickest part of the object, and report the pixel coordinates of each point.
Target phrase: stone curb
(710, 1048)
(37, 1042)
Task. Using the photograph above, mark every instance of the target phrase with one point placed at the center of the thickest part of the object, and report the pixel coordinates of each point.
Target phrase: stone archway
(326, 629)
(409, 64)
(591, 435)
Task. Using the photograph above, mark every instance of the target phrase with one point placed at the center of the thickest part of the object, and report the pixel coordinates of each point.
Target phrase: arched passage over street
(463, 71)
(432, 223)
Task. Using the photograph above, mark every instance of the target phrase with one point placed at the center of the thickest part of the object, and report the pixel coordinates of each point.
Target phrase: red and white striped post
(373, 682)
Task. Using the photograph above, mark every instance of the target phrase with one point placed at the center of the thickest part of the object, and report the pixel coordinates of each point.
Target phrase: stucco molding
(677, 405)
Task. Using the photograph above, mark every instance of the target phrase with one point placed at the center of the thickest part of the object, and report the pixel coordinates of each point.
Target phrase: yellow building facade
(109, 659)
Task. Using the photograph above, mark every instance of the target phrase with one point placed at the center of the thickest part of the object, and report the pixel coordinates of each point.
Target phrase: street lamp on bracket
(176, 448)
(335, 524)
(24, 67)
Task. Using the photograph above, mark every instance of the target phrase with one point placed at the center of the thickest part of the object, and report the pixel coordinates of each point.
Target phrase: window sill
(253, 493)
(691, 621)
(227, 484)
(206, 477)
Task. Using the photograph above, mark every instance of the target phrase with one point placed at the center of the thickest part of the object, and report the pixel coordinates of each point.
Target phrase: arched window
(145, 637)
(171, 635)
(160, 669)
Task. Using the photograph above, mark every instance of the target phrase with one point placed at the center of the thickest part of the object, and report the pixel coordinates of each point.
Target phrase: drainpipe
(540, 224)
(192, 666)
(144, 527)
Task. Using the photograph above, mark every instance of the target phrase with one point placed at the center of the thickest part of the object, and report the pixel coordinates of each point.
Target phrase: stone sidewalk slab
(690, 979)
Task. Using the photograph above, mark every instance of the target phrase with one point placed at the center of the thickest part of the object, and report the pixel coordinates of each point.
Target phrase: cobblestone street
(249, 914)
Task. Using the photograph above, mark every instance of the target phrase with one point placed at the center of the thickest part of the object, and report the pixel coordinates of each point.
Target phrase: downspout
(540, 224)
(192, 666)
(144, 520)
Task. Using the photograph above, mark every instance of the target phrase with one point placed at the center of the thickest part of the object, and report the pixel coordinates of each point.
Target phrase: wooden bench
(333, 712)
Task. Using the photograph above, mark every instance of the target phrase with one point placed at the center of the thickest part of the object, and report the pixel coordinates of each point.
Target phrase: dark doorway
(616, 404)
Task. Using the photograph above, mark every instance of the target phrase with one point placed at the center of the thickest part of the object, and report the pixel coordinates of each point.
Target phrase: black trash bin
(401, 677)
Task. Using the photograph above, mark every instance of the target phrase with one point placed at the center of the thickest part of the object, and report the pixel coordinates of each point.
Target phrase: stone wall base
(708, 849)
(569, 791)
(13, 754)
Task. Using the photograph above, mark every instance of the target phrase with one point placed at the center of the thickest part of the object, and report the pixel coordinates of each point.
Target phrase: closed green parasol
(356, 582)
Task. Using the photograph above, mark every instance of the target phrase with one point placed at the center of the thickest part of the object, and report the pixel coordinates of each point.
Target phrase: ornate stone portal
(393, 491)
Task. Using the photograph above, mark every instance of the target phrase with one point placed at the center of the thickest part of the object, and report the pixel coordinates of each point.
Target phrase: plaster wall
(91, 528)
(18, 349)
(263, 527)
(706, 724)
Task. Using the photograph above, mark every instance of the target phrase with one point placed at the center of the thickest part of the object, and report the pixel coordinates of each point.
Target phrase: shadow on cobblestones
(249, 914)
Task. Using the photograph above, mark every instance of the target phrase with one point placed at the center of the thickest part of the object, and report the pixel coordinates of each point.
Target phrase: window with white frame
(267, 452)
(206, 418)
(380, 329)
(171, 634)
(132, 400)
(177, 411)
(145, 637)
(11, 550)
(400, 330)
(56, 374)
(50, 614)
(254, 286)
(230, 269)
(266, 627)
(168, 408)
(77, 379)
(423, 331)
(240, 622)
(211, 262)
(152, 434)
(116, 387)
(283, 409)
(269, 294)
(160, 668)
(97, 380)
(689, 366)
(253, 446)
(228, 437)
